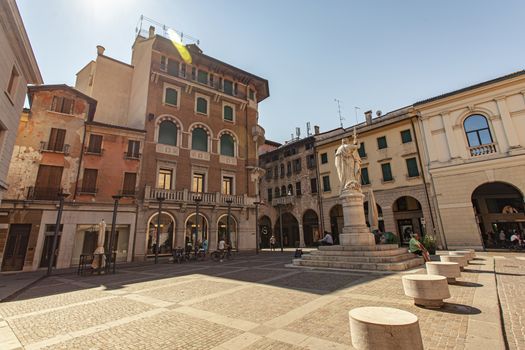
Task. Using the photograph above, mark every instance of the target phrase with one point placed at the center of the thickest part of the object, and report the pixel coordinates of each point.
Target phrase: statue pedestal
(355, 232)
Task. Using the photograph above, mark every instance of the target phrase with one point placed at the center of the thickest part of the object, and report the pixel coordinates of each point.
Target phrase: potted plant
(430, 244)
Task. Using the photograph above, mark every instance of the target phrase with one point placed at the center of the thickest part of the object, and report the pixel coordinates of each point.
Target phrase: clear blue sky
(372, 54)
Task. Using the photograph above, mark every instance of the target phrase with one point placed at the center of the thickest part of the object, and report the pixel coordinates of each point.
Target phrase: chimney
(151, 32)
(316, 129)
(100, 50)
(368, 117)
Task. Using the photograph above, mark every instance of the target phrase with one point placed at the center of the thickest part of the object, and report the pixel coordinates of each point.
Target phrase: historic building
(290, 191)
(60, 148)
(391, 168)
(474, 147)
(18, 67)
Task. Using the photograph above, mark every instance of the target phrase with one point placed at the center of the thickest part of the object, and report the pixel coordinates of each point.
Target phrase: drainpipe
(80, 161)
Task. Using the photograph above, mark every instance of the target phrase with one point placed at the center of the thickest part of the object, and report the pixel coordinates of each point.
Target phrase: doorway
(48, 245)
(16, 247)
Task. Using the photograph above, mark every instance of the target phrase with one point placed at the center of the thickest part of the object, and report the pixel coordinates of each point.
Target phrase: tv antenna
(356, 108)
(339, 111)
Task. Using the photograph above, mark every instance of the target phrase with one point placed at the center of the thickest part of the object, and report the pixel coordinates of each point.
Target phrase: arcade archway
(166, 236)
(265, 231)
(311, 227)
(222, 230)
(408, 217)
(336, 221)
(290, 231)
(196, 230)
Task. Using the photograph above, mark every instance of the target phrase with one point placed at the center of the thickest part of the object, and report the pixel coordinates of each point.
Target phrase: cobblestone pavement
(252, 302)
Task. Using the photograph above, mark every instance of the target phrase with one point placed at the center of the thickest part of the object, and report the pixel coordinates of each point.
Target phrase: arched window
(228, 113)
(202, 105)
(168, 133)
(227, 145)
(477, 130)
(277, 193)
(171, 96)
(290, 189)
(282, 170)
(199, 140)
(283, 190)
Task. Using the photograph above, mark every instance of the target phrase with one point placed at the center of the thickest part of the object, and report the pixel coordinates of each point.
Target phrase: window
(235, 90)
(13, 82)
(251, 94)
(406, 136)
(168, 133)
(171, 97)
(313, 185)
(183, 70)
(277, 192)
(270, 197)
(165, 177)
(361, 150)
(298, 191)
(297, 165)
(198, 183)
(326, 183)
(62, 105)
(95, 144)
(202, 105)
(202, 77)
(228, 113)
(199, 140)
(212, 80)
(364, 177)
(282, 170)
(275, 172)
(324, 158)
(288, 168)
(268, 175)
(56, 140)
(48, 181)
(163, 60)
(173, 68)
(133, 149)
(228, 86)
(387, 172)
(290, 190)
(227, 145)
(412, 167)
(477, 130)
(128, 187)
(193, 73)
(310, 161)
(381, 142)
(283, 191)
(89, 181)
(227, 185)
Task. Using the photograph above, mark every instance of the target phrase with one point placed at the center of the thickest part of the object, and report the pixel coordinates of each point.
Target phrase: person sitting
(515, 239)
(415, 247)
(327, 240)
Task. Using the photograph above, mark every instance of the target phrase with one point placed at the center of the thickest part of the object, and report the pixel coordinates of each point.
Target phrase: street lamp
(116, 199)
(61, 197)
(229, 201)
(197, 200)
(160, 198)
(257, 226)
(281, 225)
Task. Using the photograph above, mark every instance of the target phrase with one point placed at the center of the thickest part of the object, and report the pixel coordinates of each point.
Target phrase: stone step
(390, 252)
(353, 258)
(396, 266)
(359, 247)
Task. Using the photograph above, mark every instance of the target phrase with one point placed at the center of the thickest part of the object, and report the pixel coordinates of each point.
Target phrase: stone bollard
(450, 270)
(427, 290)
(466, 253)
(472, 253)
(460, 259)
(384, 328)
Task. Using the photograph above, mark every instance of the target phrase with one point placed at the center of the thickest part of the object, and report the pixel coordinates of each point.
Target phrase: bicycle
(217, 255)
(178, 255)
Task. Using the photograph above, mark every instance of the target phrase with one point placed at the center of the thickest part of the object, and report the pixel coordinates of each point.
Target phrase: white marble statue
(348, 164)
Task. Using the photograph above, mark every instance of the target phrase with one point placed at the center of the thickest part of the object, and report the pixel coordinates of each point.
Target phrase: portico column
(508, 124)
(301, 236)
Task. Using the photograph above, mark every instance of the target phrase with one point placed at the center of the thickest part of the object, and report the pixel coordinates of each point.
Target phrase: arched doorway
(336, 221)
(379, 215)
(408, 216)
(499, 208)
(265, 231)
(222, 230)
(166, 236)
(290, 231)
(311, 227)
(195, 231)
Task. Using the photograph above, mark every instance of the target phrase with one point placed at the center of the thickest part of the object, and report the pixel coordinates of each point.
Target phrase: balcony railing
(43, 193)
(185, 196)
(45, 147)
(133, 156)
(284, 200)
(482, 150)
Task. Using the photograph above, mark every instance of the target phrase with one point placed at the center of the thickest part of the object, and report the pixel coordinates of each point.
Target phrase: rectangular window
(310, 161)
(163, 60)
(406, 136)
(198, 183)
(324, 158)
(165, 177)
(212, 80)
(270, 193)
(227, 185)
(326, 183)
(228, 86)
(364, 177)
(89, 181)
(297, 165)
(48, 181)
(361, 150)
(202, 77)
(268, 174)
(381, 142)
(56, 140)
(202, 105)
(228, 113)
(288, 168)
(133, 149)
(13, 82)
(171, 96)
(193, 73)
(313, 185)
(387, 172)
(251, 94)
(412, 167)
(130, 180)
(298, 191)
(62, 105)
(95, 144)
(183, 70)
(173, 68)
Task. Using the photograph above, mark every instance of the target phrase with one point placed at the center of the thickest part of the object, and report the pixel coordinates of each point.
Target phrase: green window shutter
(171, 96)
(412, 167)
(361, 150)
(381, 142)
(168, 133)
(173, 68)
(387, 172)
(228, 113)
(202, 77)
(364, 176)
(202, 105)
(406, 136)
(324, 158)
(227, 145)
(199, 140)
(326, 183)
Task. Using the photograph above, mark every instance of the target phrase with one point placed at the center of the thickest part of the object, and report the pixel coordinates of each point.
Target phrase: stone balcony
(188, 197)
(286, 200)
(482, 150)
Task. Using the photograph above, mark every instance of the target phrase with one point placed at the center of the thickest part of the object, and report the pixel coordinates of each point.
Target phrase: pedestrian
(222, 245)
(272, 243)
(205, 245)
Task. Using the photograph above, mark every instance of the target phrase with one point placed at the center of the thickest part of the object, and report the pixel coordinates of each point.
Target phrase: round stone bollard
(472, 253)
(450, 270)
(384, 328)
(427, 290)
(466, 253)
(460, 259)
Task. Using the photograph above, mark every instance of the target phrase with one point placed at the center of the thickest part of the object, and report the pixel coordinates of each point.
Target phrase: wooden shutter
(67, 106)
(129, 183)
(95, 143)
(56, 140)
(133, 149)
(89, 181)
(48, 182)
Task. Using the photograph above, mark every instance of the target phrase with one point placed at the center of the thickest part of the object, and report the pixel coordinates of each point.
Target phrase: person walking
(222, 245)
(272, 243)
